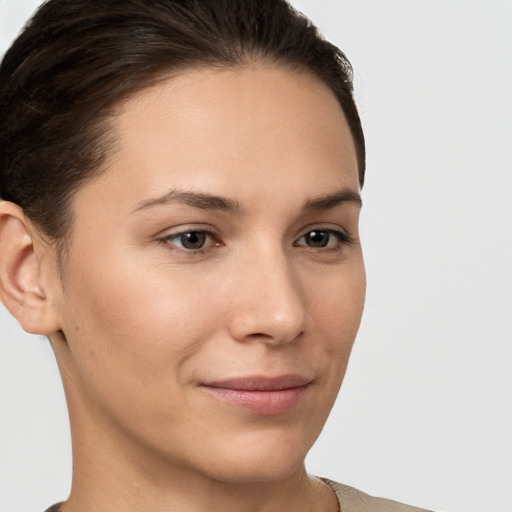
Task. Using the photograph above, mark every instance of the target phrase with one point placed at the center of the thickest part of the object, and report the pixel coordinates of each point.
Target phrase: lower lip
(266, 403)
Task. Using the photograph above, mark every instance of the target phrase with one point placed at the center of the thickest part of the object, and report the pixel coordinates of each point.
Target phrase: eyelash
(215, 241)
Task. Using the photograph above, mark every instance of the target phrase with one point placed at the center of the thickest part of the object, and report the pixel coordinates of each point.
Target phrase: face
(215, 282)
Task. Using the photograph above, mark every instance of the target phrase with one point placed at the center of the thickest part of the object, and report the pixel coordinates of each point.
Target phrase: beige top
(352, 500)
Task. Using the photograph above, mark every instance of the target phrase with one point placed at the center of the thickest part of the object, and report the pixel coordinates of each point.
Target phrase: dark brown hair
(77, 59)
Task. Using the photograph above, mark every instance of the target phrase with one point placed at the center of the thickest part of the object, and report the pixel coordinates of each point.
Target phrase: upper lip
(261, 383)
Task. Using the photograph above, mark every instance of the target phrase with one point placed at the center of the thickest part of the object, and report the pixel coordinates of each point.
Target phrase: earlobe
(21, 289)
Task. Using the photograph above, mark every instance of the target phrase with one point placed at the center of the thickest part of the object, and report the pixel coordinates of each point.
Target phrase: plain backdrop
(424, 415)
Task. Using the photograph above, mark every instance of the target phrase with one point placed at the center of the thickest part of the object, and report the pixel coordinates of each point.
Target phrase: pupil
(193, 240)
(318, 238)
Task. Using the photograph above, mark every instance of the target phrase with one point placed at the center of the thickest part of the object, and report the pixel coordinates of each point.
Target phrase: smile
(261, 395)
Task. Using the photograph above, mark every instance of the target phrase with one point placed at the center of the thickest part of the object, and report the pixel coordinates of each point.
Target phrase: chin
(260, 458)
(248, 471)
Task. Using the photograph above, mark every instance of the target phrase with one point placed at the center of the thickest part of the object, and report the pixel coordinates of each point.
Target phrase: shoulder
(352, 500)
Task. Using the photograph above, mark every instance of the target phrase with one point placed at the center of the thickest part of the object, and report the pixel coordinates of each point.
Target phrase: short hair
(76, 60)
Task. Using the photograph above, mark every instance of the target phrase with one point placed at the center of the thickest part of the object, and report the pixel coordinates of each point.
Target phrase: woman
(180, 185)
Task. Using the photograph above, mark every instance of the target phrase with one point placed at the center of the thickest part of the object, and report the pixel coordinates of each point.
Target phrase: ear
(21, 284)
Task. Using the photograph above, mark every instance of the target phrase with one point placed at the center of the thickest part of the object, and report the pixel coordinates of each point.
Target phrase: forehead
(231, 131)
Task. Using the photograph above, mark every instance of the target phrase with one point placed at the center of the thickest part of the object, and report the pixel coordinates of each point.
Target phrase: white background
(425, 411)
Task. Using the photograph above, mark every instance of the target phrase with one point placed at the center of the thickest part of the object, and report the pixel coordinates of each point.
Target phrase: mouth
(267, 396)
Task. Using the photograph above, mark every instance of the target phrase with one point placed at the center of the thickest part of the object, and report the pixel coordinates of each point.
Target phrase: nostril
(275, 339)
(259, 336)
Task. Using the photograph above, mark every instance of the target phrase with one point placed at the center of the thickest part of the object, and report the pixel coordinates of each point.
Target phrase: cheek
(337, 302)
(338, 310)
(134, 326)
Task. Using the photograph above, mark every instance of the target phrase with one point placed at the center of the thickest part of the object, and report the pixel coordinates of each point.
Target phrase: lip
(267, 396)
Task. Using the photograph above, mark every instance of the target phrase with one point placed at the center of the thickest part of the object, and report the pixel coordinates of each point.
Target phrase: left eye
(321, 238)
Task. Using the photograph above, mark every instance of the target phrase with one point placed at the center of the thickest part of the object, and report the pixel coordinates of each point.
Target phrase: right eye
(191, 241)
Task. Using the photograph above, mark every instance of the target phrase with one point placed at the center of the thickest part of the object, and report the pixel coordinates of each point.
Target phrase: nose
(270, 303)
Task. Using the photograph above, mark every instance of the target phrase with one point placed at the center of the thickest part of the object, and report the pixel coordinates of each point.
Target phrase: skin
(140, 322)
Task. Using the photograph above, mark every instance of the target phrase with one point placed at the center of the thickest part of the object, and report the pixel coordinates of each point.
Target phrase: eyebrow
(213, 202)
(330, 201)
(194, 199)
